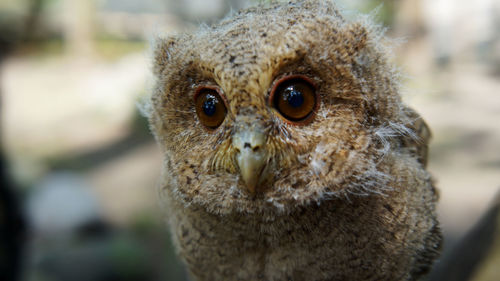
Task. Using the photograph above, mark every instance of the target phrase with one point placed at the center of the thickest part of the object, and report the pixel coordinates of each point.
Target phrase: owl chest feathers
(339, 239)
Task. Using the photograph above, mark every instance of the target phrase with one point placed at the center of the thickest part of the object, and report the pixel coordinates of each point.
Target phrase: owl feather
(288, 153)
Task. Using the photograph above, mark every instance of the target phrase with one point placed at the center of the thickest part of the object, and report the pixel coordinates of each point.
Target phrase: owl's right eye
(295, 98)
(210, 107)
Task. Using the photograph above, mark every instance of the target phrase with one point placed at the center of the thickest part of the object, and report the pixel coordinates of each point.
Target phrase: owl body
(288, 152)
(362, 239)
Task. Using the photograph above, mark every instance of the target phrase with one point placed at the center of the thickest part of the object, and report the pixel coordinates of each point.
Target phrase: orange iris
(210, 107)
(294, 97)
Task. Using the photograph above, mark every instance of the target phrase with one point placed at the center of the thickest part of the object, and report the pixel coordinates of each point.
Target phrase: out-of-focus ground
(82, 155)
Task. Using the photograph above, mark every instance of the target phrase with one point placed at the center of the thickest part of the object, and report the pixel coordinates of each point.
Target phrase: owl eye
(294, 97)
(210, 107)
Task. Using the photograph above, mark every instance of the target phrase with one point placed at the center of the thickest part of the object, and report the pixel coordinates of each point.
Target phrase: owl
(288, 153)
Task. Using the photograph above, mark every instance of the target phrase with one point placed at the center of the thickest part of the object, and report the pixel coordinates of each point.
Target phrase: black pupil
(293, 97)
(210, 105)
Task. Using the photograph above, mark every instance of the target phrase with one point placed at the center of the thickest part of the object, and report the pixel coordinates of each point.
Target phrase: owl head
(277, 107)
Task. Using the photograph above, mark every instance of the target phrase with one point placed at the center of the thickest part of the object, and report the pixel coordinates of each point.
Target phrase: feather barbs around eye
(294, 97)
(210, 107)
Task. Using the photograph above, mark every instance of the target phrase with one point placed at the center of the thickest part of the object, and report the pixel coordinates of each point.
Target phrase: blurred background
(83, 166)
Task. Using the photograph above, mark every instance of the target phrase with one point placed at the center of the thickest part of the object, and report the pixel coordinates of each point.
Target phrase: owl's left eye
(210, 107)
(295, 98)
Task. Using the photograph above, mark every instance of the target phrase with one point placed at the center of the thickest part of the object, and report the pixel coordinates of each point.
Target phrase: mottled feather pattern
(347, 196)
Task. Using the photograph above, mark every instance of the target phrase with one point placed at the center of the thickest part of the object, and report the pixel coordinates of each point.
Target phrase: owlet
(288, 153)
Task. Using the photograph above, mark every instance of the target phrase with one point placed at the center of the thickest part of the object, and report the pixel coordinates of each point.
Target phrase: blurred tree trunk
(78, 28)
(409, 20)
(32, 22)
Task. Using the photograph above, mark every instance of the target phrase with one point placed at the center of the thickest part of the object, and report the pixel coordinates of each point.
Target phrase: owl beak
(251, 157)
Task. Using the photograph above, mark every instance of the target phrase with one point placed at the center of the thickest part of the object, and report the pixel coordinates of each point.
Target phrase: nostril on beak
(248, 145)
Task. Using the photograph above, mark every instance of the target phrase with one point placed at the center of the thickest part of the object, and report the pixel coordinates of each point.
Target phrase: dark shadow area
(462, 259)
(12, 227)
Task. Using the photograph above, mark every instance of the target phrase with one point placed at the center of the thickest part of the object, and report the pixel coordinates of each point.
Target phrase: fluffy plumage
(345, 196)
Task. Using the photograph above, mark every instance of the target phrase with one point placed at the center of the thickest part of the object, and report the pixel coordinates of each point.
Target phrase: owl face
(276, 108)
